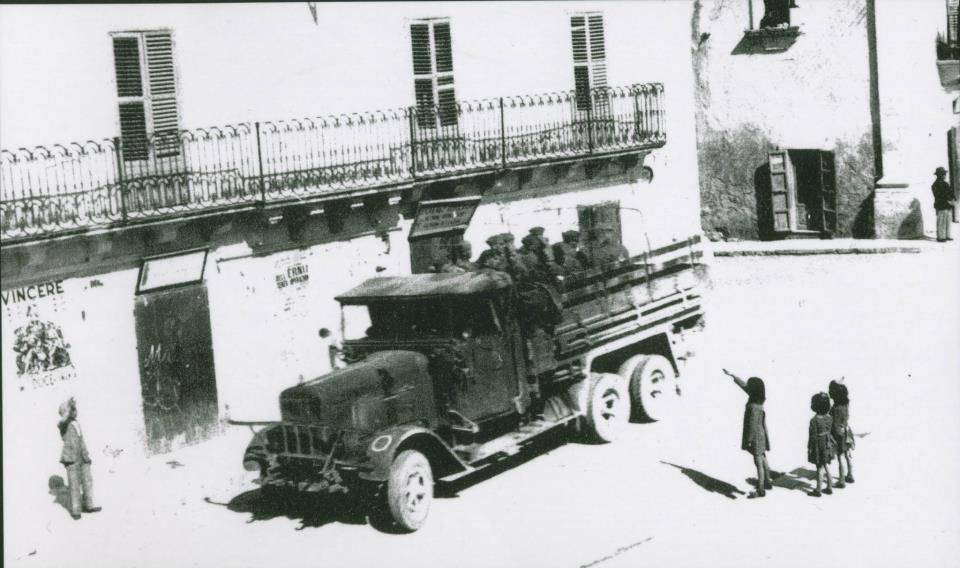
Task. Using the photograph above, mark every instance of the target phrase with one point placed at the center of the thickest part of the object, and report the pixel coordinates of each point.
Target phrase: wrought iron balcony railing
(51, 190)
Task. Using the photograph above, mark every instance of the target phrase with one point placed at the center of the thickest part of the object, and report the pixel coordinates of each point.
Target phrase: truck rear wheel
(654, 389)
(409, 490)
(608, 406)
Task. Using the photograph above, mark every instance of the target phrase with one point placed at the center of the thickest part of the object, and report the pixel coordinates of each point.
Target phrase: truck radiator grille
(303, 440)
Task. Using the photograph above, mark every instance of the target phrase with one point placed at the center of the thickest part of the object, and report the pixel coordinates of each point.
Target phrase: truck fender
(385, 446)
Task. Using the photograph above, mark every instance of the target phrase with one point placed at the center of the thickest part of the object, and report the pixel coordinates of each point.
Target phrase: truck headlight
(251, 465)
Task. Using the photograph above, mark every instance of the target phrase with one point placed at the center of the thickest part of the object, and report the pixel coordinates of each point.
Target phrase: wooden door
(783, 192)
(828, 193)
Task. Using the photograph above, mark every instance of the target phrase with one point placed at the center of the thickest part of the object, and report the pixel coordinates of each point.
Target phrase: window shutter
(423, 90)
(126, 60)
(828, 192)
(953, 21)
(589, 60)
(420, 40)
(597, 50)
(442, 48)
(581, 80)
(579, 35)
(160, 64)
(447, 107)
(160, 73)
(133, 131)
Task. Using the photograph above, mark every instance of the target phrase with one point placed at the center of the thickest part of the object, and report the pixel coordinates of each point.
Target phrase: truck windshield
(419, 319)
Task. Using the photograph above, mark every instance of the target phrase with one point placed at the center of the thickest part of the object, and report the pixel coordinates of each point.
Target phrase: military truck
(445, 379)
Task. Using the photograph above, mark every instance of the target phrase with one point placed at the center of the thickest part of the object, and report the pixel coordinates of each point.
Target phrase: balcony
(68, 188)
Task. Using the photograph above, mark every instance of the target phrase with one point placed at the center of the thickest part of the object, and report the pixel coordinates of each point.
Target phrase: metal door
(177, 376)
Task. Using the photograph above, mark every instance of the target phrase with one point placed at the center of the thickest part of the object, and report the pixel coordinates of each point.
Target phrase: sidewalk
(800, 247)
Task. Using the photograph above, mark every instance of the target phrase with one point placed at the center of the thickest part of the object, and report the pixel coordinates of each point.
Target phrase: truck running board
(510, 443)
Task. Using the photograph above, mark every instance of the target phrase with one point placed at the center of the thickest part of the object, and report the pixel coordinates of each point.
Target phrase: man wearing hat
(493, 257)
(76, 459)
(943, 202)
(567, 254)
(604, 247)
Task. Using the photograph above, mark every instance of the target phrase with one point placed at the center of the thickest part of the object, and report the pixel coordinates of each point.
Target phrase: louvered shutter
(589, 61)
(126, 61)
(423, 90)
(442, 47)
(953, 22)
(163, 94)
(133, 131)
(432, 53)
(420, 39)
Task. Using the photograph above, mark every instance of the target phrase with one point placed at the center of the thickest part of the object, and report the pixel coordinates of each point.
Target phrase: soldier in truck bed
(537, 265)
(604, 249)
(493, 258)
(567, 254)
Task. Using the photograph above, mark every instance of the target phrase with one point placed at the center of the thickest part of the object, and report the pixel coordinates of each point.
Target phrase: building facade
(821, 118)
(176, 270)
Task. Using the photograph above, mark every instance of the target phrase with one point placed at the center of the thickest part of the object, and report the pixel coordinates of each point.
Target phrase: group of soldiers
(536, 261)
(538, 269)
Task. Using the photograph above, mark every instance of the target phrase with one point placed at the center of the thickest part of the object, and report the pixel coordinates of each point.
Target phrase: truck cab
(466, 326)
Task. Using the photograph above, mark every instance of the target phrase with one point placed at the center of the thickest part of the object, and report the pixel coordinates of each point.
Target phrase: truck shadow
(312, 511)
(538, 447)
(711, 484)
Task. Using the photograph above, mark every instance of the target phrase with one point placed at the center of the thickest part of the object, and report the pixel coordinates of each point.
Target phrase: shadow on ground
(317, 510)
(311, 510)
(794, 480)
(711, 484)
(60, 491)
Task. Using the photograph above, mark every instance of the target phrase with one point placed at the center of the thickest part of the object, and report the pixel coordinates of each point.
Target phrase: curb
(804, 252)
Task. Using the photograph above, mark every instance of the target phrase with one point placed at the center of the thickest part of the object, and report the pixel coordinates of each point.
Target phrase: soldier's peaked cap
(537, 231)
(495, 239)
(569, 235)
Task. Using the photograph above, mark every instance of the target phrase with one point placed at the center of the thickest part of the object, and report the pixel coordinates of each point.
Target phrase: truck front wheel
(653, 386)
(409, 490)
(608, 406)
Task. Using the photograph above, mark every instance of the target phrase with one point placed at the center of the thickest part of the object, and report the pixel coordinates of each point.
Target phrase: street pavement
(672, 493)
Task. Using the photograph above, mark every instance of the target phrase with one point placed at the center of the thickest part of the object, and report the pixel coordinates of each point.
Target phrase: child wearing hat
(820, 446)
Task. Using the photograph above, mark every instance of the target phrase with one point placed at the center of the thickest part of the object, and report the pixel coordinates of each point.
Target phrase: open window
(802, 194)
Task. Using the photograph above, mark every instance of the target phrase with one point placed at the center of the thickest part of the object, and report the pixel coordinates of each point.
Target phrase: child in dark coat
(842, 436)
(755, 439)
(820, 446)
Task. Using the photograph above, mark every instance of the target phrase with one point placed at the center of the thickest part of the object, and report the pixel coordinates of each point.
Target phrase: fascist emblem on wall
(40, 346)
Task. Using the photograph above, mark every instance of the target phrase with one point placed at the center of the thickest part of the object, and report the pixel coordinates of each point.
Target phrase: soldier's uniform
(493, 258)
(567, 254)
(604, 249)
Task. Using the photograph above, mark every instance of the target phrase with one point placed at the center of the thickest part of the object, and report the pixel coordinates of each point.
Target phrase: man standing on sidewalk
(77, 461)
(943, 203)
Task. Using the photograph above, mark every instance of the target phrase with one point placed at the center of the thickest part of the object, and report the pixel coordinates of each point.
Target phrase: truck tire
(608, 407)
(653, 386)
(409, 490)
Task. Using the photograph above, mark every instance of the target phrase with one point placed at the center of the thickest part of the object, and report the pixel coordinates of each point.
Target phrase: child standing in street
(842, 436)
(820, 441)
(755, 439)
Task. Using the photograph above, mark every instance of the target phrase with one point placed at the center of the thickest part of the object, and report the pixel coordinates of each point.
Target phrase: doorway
(175, 351)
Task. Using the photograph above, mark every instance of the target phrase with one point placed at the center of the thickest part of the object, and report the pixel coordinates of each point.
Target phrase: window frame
(147, 97)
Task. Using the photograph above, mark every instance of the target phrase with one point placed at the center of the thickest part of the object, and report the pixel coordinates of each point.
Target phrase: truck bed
(608, 303)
